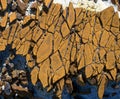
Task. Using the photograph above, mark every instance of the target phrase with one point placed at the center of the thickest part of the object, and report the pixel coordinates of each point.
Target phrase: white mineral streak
(89, 4)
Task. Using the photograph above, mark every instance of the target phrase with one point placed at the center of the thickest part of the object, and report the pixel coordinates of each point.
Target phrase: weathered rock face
(56, 44)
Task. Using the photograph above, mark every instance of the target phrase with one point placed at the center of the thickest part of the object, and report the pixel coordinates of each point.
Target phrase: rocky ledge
(59, 44)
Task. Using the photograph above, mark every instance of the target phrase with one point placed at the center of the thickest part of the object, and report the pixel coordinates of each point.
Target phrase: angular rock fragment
(5, 33)
(104, 38)
(65, 29)
(45, 49)
(3, 4)
(24, 48)
(55, 61)
(3, 44)
(34, 75)
(12, 33)
(88, 71)
(110, 64)
(36, 34)
(113, 73)
(102, 86)
(12, 17)
(26, 19)
(109, 12)
(88, 54)
(4, 20)
(86, 33)
(57, 40)
(71, 16)
(44, 73)
(59, 74)
(48, 2)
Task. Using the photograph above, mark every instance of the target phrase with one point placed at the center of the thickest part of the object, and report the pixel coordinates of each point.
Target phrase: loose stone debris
(58, 43)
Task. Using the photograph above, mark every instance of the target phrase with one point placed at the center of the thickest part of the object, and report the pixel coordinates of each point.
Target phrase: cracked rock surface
(58, 43)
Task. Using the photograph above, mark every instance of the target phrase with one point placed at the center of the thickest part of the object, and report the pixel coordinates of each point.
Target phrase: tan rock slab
(113, 73)
(77, 12)
(43, 21)
(12, 33)
(4, 20)
(102, 86)
(5, 33)
(115, 30)
(24, 31)
(48, 2)
(3, 44)
(111, 42)
(51, 29)
(106, 15)
(88, 71)
(57, 9)
(26, 19)
(34, 75)
(65, 29)
(24, 48)
(45, 49)
(57, 40)
(29, 35)
(102, 53)
(15, 43)
(12, 17)
(97, 26)
(37, 32)
(3, 4)
(55, 61)
(86, 33)
(73, 54)
(35, 49)
(88, 54)
(104, 38)
(59, 74)
(115, 20)
(71, 15)
(44, 73)
(110, 57)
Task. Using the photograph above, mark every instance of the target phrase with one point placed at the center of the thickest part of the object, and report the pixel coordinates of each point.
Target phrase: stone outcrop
(63, 42)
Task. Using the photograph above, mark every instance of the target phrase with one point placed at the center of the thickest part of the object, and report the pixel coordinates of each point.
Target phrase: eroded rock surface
(57, 45)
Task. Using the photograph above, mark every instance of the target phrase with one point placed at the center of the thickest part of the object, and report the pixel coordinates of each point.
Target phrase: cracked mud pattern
(61, 42)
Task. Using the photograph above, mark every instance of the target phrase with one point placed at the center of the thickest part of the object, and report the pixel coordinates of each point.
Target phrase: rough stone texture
(12, 17)
(44, 72)
(4, 20)
(60, 43)
(46, 48)
(34, 75)
(3, 4)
